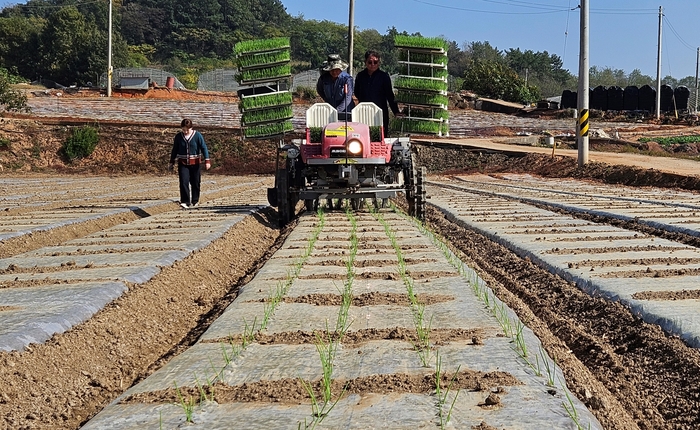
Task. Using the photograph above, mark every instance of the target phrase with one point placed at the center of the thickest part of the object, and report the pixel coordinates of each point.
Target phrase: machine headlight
(292, 153)
(354, 147)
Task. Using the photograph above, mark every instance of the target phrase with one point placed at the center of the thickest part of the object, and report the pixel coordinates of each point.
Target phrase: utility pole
(697, 64)
(583, 84)
(351, 34)
(109, 52)
(658, 68)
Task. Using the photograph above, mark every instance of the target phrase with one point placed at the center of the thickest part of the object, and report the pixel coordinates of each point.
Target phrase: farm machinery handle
(346, 161)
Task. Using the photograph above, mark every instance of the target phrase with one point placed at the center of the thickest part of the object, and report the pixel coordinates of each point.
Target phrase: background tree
(638, 79)
(66, 41)
(312, 41)
(494, 79)
(478, 51)
(541, 70)
(19, 38)
(10, 99)
(457, 60)
(364, 41)
(688, 81)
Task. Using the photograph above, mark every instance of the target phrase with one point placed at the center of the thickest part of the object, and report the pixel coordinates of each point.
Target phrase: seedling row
(265, 101)
(263, 59)
(418, 42)
(264, 74)
(261, 45)
(268, 130)
(418, 83)
(267, 115)
(420, 98)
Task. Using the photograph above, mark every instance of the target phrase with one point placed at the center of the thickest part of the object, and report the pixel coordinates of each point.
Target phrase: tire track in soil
(630, 374)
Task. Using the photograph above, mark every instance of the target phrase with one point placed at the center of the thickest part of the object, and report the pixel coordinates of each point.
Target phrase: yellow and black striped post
(582, 139)
(583, 123)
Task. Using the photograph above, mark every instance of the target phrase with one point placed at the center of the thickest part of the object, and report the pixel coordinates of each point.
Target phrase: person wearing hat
(335, 86)
(374, 85)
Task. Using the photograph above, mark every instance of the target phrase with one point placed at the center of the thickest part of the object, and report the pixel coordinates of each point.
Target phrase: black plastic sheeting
(631, 98)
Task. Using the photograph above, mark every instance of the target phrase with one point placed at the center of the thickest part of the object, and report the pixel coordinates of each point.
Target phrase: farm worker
(374, 85)
(335, 86)
(188, 149)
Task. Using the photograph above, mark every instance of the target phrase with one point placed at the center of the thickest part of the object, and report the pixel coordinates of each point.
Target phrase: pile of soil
(35, 146)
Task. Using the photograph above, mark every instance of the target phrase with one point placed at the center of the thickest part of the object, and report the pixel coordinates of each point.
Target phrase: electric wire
(489, 11)
(678, 36)
(566, 33)
(542, 8)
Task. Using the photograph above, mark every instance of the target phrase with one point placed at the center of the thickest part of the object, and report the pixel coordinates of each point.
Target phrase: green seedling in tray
(419, 42)
(404, 96)
(406, 125)
(375, 133)
(421, 57)
(423, 71)
(260, 59)
(420, 84)
(266, 115)
(260, 45)
(315, 134)
(445, 128)
(267, 130)
(264, 73)
(429, 113)
(265, 100)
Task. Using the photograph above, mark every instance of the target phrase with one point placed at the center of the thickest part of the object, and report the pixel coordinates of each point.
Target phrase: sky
(623, 33)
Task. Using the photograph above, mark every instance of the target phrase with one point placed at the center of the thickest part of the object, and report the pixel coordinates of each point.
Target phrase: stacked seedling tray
(422, 85)
(265, 100)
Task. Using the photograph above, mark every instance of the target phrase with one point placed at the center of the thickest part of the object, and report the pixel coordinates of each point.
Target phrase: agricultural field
(626, 373)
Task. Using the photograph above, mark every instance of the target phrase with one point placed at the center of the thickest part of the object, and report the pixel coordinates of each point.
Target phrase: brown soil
(292, 390)
(629, 373)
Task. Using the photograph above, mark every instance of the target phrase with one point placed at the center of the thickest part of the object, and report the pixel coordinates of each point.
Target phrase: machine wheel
(420, 193)
(380, 203)
(311, 205)
(410, 182)
(355, 204)
(285, 211)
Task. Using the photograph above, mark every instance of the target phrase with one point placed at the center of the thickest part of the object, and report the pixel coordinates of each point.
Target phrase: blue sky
(623, 32)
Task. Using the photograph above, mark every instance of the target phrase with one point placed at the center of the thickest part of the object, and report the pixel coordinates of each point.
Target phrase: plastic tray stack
(265, 100)
(422, 85)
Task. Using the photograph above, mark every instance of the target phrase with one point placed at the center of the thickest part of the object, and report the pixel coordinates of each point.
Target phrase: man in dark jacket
(188, 149)
(374, 85)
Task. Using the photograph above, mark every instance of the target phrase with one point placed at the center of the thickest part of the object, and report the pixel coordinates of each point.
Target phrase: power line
(488, 11)
(566, 33)
(673, 30)
(524, 4)
(542, 8)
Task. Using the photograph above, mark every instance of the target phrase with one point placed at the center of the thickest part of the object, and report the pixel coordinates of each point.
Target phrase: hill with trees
(65, 41)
